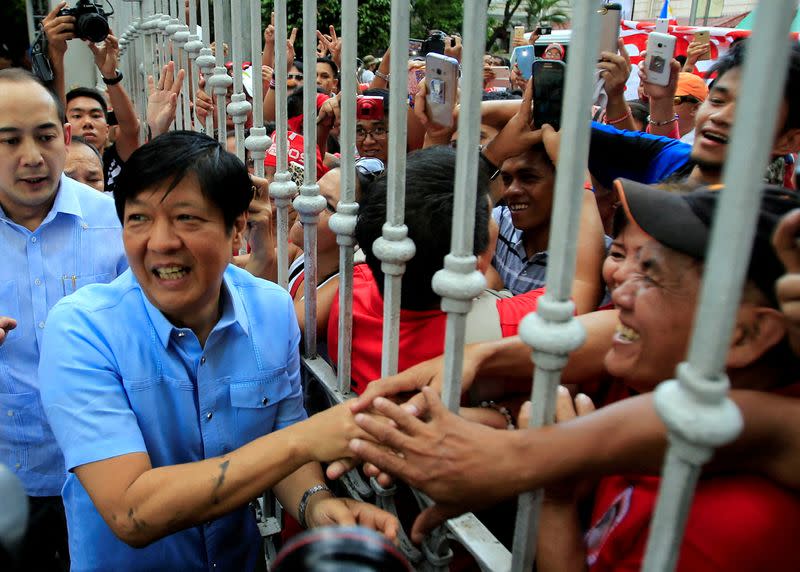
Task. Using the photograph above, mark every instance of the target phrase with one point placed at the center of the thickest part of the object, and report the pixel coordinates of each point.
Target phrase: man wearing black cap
(736, 522)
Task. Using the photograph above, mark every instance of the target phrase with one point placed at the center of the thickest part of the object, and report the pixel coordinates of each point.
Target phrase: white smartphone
(660, 51)
(441, 79)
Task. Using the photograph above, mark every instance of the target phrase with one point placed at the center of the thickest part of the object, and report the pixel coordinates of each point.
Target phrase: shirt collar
(233, 312)
(66, 201)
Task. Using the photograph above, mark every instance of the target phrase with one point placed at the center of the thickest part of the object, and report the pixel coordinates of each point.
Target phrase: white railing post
(282, 189)
(257, 141)
(193, 47)
(206, 60)
(343, 222)
(695, 407)
(220, 81)
(171, 31)
(394, 248)
(239, 107)
(309, 203)
(552, 331)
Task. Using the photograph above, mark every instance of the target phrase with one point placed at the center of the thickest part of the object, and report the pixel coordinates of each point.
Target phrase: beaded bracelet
(662, 123)
(619, 119)
(504, 411)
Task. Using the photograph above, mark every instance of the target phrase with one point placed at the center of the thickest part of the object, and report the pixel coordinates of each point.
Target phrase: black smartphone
(548, 92)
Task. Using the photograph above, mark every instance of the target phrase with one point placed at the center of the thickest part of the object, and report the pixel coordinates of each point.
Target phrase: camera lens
(660, 45)
(438, 71)
(92, 27)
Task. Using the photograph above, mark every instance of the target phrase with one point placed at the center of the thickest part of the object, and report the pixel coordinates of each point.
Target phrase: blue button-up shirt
(129, 381)
(79, 242)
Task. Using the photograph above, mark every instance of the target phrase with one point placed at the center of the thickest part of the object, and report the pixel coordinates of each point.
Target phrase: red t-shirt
(422, 333)
(737, 522)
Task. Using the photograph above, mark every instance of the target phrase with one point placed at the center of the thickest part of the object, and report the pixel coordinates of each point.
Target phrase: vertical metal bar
(206, 60)
(171, 30)
(29, 21)
(239, 107)
(394, 248)
(193, 48)
(693, 13)
(179, 39)
(257, 142)
(552, 331)
(309, 203)
(282, 189)
(699, 395)
(220, 81)
(459, 281)
(344, 221)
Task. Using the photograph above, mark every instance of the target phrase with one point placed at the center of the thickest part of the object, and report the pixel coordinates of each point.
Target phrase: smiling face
(88, 120)
(178, 248)
(623, 255)
(656, 311)
(372, 139)
(32, 151)
(84, 166)
(529, 179)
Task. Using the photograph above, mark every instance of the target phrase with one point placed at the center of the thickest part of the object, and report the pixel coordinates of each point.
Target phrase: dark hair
(380, 92)
(88, 92)
(430, 181)
(20, 75)
(170, 157)
(330, 62)
(294, 101)
(80, 139)
(298, 64)
(500, 95)
(734, 58)
(640, 110)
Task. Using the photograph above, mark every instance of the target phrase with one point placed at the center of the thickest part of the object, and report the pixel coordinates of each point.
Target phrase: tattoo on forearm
(223, 468)
(138, 523)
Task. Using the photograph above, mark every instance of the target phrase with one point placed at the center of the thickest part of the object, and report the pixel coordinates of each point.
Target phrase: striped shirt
(519, 272)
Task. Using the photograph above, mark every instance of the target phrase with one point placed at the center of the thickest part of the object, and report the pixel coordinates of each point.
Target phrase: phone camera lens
(438, 71)
(660, 45)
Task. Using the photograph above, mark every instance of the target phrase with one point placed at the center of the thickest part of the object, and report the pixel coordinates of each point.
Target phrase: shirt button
(209, 415)
(33, 239)
(202, 360)
(265, 401)
(17, 466)
(181, 334)
(10, 413)
(37, 282)
(41, 324)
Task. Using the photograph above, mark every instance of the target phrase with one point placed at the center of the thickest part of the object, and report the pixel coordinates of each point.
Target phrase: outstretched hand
(787, 288)
(461, 465)
(162, 101)
(106, 55)
(6, 325)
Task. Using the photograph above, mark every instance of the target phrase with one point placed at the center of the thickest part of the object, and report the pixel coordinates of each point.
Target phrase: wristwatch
(114, 80)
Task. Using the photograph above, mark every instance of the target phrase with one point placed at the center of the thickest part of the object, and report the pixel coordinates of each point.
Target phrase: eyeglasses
(369, 169)
(378, 133)
(295, 76)
(679, 99)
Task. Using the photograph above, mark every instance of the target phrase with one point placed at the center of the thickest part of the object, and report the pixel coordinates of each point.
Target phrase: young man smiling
(165, 437)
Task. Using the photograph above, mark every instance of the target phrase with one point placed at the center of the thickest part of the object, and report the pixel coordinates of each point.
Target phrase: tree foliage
(545, 10)
(374, 22)
(445, 15)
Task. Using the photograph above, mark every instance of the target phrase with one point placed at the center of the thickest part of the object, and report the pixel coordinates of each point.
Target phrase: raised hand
(162, 101)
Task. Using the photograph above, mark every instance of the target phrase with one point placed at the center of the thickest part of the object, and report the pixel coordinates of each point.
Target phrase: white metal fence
(157, 31)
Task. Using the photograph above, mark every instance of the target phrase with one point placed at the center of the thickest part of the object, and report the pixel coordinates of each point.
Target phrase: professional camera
(91, 22)
(434, 43)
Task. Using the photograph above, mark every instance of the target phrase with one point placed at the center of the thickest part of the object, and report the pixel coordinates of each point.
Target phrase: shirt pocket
(73, 283)
(23, 417)
(254, 403)
(9, 307)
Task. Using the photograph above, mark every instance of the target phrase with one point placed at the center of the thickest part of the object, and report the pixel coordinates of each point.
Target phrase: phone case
(660, 51)
(441, 79)
(523, 56)
(548, 92)
(704, 37)
(609, 27)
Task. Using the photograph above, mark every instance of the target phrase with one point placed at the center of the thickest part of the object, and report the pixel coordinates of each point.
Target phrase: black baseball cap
(682, 222)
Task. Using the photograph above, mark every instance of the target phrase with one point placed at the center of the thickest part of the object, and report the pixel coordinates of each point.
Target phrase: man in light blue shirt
(56, 235)
(178, 397)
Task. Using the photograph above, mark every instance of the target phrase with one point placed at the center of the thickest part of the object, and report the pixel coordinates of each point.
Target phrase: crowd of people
(150, 372)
